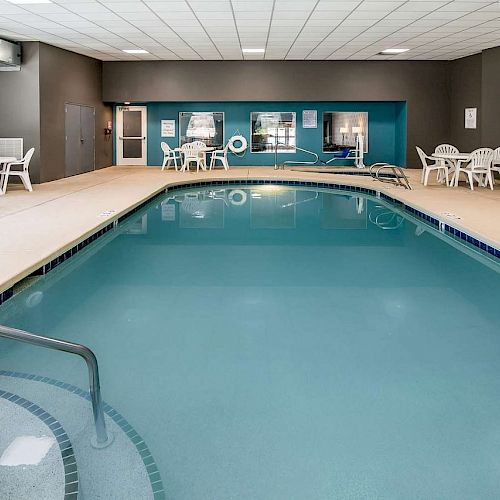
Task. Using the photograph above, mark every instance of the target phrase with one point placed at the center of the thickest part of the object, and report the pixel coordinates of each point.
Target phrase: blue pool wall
(386, 128)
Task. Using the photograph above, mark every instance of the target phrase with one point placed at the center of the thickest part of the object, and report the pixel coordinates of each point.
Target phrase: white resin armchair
(220, 155)
(447, 149)
(495, 166)
(477, 165)
(18, 168)
(193, 152)
(169, 155)
(440, 166)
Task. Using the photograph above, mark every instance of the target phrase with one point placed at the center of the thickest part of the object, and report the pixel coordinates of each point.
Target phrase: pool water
(277, 343)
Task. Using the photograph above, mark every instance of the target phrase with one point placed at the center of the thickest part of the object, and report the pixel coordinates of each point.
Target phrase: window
(267, 127)
(340, 129)
(202, 126)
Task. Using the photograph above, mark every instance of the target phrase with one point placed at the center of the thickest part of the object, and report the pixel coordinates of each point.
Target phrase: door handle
(123, 138)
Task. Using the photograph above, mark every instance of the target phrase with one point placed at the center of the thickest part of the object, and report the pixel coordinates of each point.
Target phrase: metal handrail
(80, 350)
(294, 162)
(399, 177)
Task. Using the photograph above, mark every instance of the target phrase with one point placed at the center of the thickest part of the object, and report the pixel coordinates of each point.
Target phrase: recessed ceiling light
(29, 1)
(136, 51)
(253, 51)
(393, 51)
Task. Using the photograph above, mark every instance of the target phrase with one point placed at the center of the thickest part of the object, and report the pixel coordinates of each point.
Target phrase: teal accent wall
(386, 125)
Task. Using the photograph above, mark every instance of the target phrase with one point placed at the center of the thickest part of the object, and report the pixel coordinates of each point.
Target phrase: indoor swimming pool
(273, 343)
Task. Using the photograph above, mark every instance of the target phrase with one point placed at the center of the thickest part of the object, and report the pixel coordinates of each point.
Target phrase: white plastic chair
(192, 153)
(23, 173)
(478, 164)
(220, 155)
(495, 166)
(438, 165)
(168, 155)
(447, 149)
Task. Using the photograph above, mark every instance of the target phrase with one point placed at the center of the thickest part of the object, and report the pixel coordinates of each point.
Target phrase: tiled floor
(37, 226)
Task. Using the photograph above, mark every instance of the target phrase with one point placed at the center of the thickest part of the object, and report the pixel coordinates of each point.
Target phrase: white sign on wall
(470, 117)
(168, 128)
(309, 118)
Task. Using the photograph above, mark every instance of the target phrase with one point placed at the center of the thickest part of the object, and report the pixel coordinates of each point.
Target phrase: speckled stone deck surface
(25, 475)
(35, 227)
(117, 471)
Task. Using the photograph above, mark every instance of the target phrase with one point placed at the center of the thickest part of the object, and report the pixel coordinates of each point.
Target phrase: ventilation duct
(10, 56)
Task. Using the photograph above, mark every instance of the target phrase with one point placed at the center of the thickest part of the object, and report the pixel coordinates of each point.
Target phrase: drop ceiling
(286, 29)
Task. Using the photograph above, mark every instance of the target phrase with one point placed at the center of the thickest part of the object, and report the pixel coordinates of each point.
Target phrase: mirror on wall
(341, 127)
(269, 127)
(202, 126)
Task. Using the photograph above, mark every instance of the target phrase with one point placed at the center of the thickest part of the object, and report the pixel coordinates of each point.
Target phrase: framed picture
(168, 128)
(309, 118)
(470, 117)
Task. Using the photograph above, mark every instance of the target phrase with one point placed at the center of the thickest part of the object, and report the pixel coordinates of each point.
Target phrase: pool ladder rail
(103, 438)
(390, 174)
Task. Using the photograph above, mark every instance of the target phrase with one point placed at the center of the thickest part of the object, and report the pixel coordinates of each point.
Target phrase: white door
(131, 135)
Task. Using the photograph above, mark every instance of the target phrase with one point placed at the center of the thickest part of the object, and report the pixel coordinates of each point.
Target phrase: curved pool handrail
(293, 162)
(80, 350)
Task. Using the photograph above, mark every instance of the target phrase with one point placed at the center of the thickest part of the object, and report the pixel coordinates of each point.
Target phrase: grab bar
(290, 162)
(399, 177)
(90, 359)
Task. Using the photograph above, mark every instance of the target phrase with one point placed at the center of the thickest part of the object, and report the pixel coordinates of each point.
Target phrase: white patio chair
(477, 165)
(168, 155)
(447, 149)
(438, 165)
(220, 155)
(201, 145)
(495, 166)
(192, 153)
(22, 173)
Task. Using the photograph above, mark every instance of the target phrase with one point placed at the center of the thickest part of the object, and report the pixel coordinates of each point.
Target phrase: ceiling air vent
(10, 56)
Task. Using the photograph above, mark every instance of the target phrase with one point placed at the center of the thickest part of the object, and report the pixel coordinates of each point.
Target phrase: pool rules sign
(470, 117)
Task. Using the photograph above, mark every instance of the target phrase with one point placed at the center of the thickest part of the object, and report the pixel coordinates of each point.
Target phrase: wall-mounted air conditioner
(10, 56)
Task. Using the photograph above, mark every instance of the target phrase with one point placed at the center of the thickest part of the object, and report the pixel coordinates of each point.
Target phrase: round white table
(454, 159)
(3, 161)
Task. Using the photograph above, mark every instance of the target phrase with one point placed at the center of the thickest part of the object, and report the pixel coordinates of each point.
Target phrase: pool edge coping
(46, 264)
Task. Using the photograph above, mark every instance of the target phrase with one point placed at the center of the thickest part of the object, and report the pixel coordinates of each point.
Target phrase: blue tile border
(142, 449)
(440, 225)
(71, 482)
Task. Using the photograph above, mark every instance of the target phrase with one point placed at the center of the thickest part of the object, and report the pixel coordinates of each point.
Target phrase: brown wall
(422, 84)
(465, 92)
(66, 77)
(20, 104)
(490, 98)
(475, 83)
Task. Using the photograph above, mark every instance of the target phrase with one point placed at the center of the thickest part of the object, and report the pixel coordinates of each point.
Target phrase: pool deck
(36, 227)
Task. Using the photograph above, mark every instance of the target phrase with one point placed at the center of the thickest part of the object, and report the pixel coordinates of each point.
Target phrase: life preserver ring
(238, 149)
(239, 192)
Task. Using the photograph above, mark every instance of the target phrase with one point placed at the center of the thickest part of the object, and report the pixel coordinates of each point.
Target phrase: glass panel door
(131, 127)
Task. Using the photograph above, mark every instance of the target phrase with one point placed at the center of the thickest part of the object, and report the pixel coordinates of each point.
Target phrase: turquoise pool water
(277, 343)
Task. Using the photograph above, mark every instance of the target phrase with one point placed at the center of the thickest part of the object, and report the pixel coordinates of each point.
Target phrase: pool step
(124, 469)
